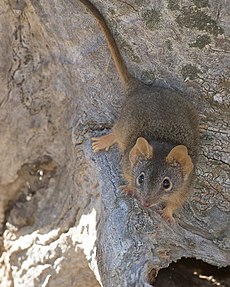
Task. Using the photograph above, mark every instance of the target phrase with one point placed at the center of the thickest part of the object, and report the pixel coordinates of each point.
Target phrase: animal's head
(156, 174)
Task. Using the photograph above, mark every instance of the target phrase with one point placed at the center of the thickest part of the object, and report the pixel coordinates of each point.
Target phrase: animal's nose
(146, 203)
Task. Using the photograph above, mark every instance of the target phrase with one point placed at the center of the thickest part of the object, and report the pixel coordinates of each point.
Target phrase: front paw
(103, 142)
(168, 216)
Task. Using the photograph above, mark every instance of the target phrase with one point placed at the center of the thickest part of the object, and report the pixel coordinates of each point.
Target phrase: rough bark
(61, 208)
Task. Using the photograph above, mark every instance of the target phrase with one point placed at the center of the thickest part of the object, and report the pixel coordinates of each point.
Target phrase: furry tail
(115, 53)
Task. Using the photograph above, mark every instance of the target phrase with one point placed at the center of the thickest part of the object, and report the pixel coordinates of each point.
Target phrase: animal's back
(160, 114)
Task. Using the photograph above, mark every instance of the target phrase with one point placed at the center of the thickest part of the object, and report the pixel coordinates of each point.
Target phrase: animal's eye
(140, 178)
(167, 184)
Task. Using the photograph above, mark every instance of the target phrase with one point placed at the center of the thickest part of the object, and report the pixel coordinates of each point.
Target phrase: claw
(126, 189)
(202, 129)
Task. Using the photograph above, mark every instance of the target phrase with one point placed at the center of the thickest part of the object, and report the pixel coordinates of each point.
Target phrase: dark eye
(140, 178)
(167, 184)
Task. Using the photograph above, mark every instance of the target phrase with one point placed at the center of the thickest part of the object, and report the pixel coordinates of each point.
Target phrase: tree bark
(61, 208)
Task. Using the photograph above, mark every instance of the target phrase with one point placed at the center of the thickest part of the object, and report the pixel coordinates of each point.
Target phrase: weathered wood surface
(61, 206)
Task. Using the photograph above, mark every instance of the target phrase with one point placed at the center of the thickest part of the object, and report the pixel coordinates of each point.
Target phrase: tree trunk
(61, 208)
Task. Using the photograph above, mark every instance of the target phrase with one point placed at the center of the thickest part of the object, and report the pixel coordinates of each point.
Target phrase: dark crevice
(193, 273)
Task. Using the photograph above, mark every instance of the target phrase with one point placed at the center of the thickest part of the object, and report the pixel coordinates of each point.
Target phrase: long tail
(115, 53)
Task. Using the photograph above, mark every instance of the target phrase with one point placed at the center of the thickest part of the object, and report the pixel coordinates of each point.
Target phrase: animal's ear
(179, 154)
(141, 148)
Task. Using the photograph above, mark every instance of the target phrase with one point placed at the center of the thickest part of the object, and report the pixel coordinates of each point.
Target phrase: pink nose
(146, 203)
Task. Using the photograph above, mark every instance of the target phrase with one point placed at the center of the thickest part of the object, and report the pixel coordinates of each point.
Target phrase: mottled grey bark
(61, 208)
